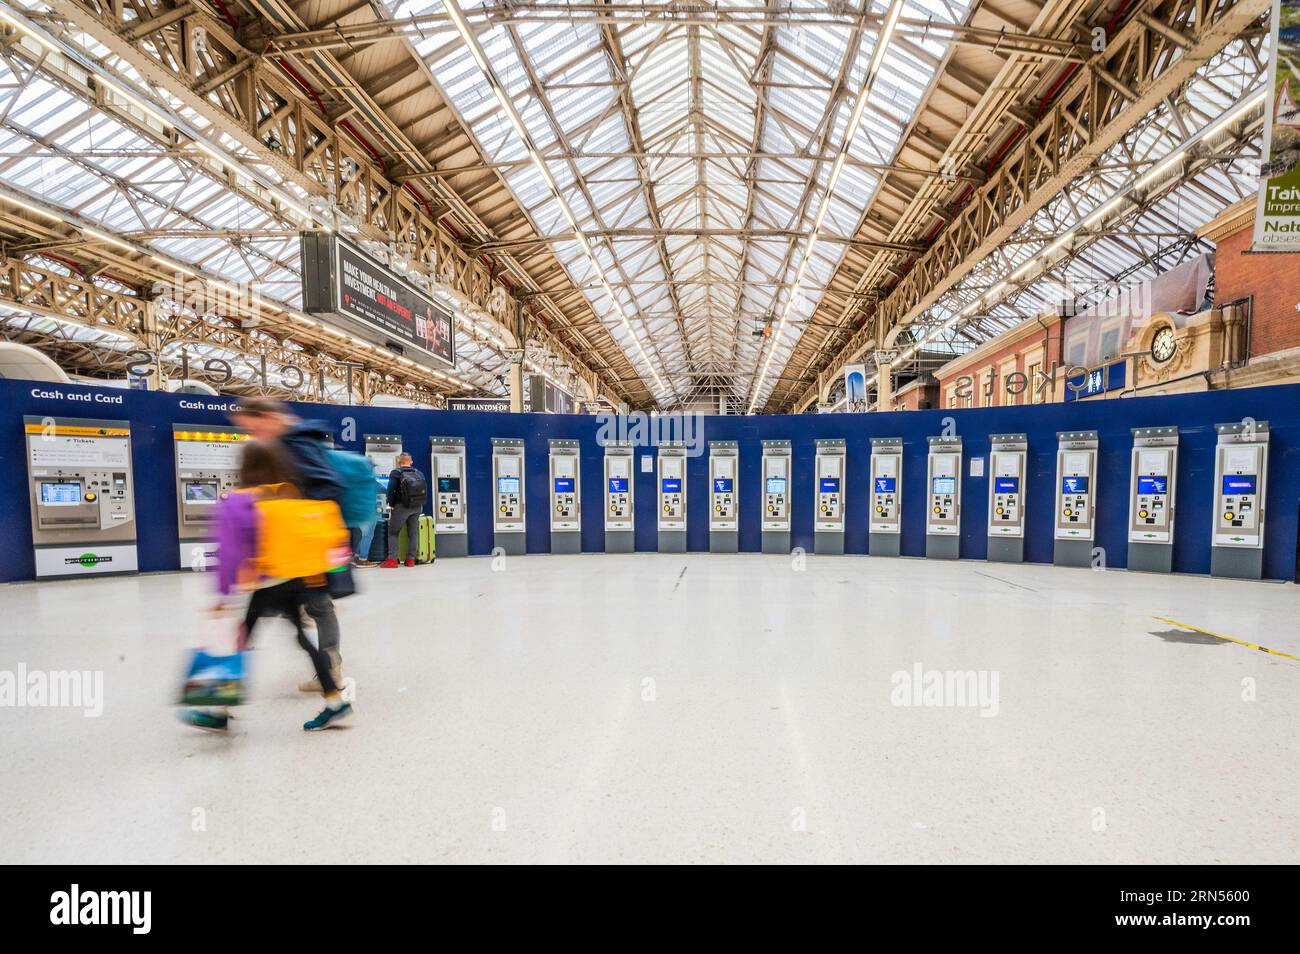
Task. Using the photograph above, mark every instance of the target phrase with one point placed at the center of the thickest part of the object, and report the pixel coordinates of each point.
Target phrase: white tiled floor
(670, 708)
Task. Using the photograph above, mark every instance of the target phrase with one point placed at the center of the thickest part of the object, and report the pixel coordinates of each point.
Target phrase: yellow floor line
(1239, 642)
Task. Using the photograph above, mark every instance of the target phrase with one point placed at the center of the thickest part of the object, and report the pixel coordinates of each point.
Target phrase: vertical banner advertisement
(1277, 215)
(855, 387)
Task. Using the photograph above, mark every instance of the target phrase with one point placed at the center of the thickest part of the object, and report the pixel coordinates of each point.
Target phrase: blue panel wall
(152, 415)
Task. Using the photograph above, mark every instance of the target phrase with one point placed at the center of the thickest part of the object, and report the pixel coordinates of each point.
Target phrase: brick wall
(996, 359)
(1274, 281)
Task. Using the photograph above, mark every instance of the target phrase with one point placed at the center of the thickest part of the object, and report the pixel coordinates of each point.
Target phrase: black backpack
(411, 488)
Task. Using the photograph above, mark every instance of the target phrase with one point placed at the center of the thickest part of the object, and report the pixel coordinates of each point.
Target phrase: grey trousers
(321, 608)
(409, 517)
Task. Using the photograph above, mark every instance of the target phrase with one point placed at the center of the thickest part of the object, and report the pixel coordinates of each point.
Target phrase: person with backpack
(269, 420)
(407, 490)
(278, 546)
(357, 475)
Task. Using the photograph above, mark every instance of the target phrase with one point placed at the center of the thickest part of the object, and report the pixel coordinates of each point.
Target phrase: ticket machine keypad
(672, 503)
(564, 504)
(1074, 508)
(1153, 509)
(724, 506)
(1240, 510)
(774, 506)
(508, 504)
(828, 505)
(449, 505)
(1006, 507)
(885, 506)
(618, 504)
(943, 505)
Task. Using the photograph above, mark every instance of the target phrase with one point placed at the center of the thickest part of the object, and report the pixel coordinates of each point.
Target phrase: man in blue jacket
(267, 419)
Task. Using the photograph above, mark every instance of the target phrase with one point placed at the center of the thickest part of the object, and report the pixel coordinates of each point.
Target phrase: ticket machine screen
(60, 494)
(672, 486)
(1074, 485)
(1153, 485)
(564, 485)
(776, 485)
(722, 485)
(201, 491)
(507, 485)
(1239, 484)
(830, 485)
(449, 485)
(885, 485)
(945, 485)
(1006, 485)
(618, 485)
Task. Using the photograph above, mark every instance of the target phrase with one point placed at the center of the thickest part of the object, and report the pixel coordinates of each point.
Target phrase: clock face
(1163, 345)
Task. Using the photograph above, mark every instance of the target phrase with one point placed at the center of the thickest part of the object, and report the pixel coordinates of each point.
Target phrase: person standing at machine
(407, 490)
(269, 420)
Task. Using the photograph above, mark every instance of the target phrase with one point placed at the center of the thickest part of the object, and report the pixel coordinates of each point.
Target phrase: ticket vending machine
(829, 487)
(620, 528)
(1240, 476)
(672, 498)
(776, 497)
(1076, 497)
(886, 533)
(450, 503)
(566, 497)
(82, 496)
(1151, 499)
(207, 470)
(1007, 459)
(943, 485)
(724, 497)
(508, 527)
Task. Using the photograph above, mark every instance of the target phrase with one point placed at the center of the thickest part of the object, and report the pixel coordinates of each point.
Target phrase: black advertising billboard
(343, 282)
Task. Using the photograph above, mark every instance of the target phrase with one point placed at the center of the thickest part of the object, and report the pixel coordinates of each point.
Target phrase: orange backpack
(297, 537)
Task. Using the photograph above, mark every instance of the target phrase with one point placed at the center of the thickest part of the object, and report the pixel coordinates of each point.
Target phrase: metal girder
(623, 15)
(1088, 116)
(279, 129)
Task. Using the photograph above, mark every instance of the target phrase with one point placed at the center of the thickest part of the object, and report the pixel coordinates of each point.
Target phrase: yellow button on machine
(667, 509)
(1228, 515)
(1142, 513)
(503, 509)
(90, 496)
(442, 509)
(936, 509)
(1068, 511)
(999, 510)
(880, 510)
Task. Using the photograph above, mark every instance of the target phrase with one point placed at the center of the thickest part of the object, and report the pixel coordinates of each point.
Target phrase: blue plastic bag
(214, 680)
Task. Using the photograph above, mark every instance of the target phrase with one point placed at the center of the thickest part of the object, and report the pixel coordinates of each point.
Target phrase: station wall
(152, 414)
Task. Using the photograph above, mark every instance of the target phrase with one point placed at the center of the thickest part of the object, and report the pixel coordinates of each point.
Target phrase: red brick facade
(1274, 281)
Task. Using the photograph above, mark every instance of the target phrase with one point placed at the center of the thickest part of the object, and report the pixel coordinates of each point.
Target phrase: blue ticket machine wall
(724, 496)
(450, 503)
(1007, 457)
(671, 473)
(1076, 497)
(1240, 476)
(566, 497)
(620, 529)
(776, 497)
(1151, 499)
(828, 513)
(82, 496)
(508, 526)
(886, 496)
(943, 489)
(207, 470)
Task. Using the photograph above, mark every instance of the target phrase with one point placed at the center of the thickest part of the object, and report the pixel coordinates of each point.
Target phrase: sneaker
(410, 562)
(202, 719)
(365, 563)
(313, 684)
(328, 717)
(390, 562)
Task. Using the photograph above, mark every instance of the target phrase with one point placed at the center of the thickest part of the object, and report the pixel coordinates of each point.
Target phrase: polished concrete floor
(677, 708)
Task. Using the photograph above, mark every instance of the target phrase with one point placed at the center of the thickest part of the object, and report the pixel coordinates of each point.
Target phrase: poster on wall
(341, 281)
(1277, 213)
(855, 387)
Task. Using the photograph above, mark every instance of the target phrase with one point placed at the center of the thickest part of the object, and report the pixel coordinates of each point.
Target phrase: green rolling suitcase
(425, 551)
